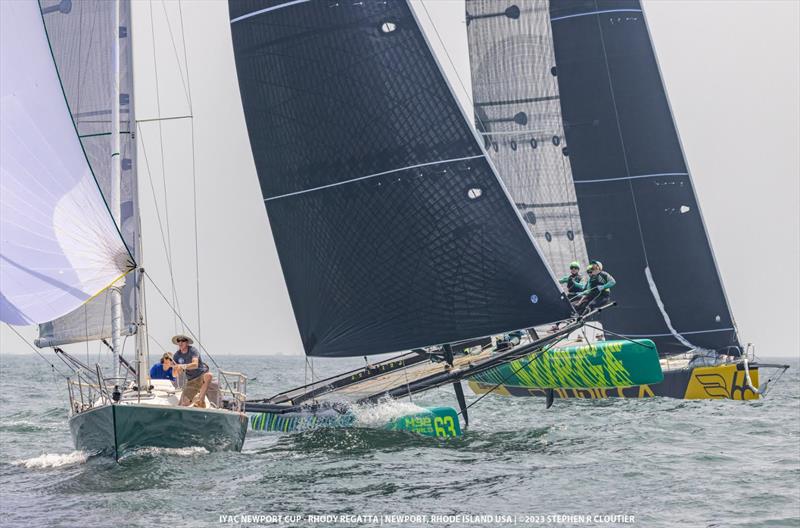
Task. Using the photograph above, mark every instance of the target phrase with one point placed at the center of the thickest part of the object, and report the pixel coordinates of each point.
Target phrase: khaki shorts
(192, 388)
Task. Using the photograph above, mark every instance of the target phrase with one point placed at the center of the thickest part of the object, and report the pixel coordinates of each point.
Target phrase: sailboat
(71, 242)
(394, 232)
(570, 102)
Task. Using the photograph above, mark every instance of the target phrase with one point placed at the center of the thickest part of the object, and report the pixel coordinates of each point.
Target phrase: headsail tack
(392, 227)
(59, 245)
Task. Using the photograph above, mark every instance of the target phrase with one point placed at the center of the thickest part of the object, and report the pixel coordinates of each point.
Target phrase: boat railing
(88, 389)
(234, 385)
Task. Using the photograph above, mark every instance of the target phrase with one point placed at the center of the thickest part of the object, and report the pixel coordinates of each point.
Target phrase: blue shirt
(157, 372)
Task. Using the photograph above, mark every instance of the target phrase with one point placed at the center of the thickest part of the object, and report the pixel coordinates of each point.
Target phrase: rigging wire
(453, 65)
(194, 167)
(540, 353)
(164, 241)
(36, 351)
(163, 167)
(189, 330)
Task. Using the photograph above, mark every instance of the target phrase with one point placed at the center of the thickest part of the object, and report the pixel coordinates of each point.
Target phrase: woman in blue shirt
(163, 370)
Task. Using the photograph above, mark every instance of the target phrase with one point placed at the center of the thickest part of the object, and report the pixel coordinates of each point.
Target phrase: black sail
(637, 204)
(392, 229)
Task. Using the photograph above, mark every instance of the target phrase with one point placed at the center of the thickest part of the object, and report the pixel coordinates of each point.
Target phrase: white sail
(59, 246)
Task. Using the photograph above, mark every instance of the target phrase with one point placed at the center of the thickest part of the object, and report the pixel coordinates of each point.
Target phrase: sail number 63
(444, 426)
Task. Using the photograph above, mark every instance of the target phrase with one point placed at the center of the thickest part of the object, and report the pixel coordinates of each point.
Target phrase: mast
(115, 202)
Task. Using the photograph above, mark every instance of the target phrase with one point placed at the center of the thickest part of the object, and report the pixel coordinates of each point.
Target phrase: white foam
(52, 460)
(383, 412)
(177, 451)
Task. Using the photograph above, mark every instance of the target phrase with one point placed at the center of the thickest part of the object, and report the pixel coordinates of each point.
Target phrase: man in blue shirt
(163, 370)
(198, 378)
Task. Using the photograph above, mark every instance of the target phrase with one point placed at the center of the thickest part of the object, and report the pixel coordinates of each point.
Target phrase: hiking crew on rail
(597, 290)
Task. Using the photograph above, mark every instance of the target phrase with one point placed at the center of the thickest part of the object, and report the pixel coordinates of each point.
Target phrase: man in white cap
(198, 378)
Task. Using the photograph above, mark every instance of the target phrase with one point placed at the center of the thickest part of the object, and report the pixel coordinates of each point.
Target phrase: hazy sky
(733, 78)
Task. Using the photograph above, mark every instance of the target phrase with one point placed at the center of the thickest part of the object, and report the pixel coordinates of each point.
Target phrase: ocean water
(658, 462)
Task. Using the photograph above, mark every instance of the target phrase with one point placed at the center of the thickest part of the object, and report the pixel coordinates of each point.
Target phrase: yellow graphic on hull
(721, 381)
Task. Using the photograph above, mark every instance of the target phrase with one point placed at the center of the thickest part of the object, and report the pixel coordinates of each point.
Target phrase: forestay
(392, 227)
(81, 35)
(59, 243)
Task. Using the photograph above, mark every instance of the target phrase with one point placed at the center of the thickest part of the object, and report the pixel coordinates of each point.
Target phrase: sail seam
(267, 10)
(596, 13)
(683, 333)
(635, 177)
(372, 176)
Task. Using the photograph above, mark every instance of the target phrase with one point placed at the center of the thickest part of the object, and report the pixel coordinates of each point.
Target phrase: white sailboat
(71, 246)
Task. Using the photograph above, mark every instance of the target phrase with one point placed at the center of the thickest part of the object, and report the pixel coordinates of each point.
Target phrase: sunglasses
(183, 340)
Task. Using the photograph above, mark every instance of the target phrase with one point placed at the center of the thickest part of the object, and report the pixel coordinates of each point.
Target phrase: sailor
(574, 281)
(598, 288)
(163, 369)
(198, 378)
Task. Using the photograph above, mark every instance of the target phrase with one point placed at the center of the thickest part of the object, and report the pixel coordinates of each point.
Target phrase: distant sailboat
(71, 257)
(596, 168)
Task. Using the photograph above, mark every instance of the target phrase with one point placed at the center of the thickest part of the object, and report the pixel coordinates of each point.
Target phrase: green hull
(441, 422)
(117, 429)
(606, 364)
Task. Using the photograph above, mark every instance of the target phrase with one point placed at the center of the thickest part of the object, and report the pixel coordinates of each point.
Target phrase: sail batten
(517, 113)
(392, 228)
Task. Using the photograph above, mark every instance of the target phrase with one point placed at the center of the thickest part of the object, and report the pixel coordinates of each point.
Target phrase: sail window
(548, 236)
(685, 209)
(388, 27)
(530, 217)
(474, 193)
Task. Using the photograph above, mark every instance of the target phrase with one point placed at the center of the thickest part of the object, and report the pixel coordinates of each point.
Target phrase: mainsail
(517, 112)
(392, 228)
(59, 245)
(81, 35)
(638, 210)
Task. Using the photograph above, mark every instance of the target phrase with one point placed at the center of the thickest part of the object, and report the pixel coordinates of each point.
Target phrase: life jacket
(575, 283)
(599, 280)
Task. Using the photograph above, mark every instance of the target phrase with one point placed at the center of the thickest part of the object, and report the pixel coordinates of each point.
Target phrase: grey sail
(391, 225)
(636, 197)
(592, 67)
(81, 35)
(518, 113)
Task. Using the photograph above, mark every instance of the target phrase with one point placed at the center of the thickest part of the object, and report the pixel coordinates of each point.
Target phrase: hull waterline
(118, 429)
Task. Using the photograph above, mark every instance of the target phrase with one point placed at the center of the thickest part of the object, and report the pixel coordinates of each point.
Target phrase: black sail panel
(392, 228)
(638, 207)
